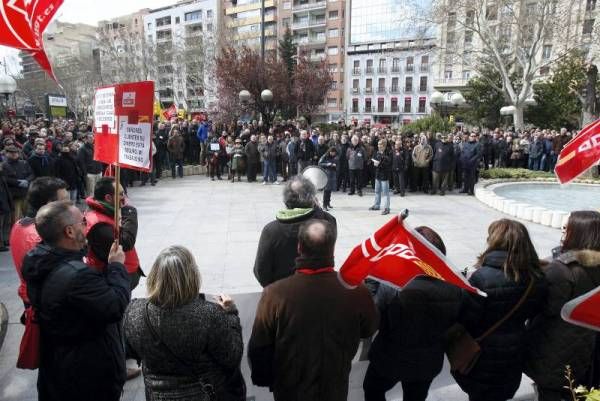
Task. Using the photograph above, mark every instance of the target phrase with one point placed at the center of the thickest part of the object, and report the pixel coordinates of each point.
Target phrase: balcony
(421, 110)
(369, 70)
(248, 7)
(356, 71)
(395, 109)
(407, 110)
(382, 110)
(382, 70)
(355, 109)
(381, 90)
(408, 89)
(369, 109)
(309, 6)
(394, 89)
(422, 89)
(311, 23)
(355, 91)
(395, 69)
(311, 41)
(448, 84)
(410, 68)
(368, 91)
(317, 57)
(424, 68)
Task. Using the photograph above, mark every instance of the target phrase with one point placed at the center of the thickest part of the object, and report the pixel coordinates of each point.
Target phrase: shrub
(513, 173)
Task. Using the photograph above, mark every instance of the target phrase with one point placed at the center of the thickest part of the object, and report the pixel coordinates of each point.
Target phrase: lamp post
(8, 86)
(267, 97)
(508, 111)
(440, 102)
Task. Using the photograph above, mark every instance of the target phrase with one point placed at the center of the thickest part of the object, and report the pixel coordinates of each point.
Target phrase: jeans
(269, 171)
(400, 181)
(382, 187)
(534, 163)
(179, 164)
(356, 181)
(73, 195)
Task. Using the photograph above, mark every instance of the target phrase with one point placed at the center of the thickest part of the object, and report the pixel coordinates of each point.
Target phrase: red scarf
(310, 272)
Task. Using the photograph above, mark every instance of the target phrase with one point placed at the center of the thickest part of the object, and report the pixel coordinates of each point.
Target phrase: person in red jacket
(24, 236)
(100, 229)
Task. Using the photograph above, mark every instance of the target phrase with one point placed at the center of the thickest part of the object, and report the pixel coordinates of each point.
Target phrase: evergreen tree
(287, 51)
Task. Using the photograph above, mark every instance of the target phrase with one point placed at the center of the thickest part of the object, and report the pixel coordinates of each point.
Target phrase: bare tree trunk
(518, 117)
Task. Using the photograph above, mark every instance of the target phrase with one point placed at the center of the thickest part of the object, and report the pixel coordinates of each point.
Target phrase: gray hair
(51, 220)
(299, 192)
(174, 279)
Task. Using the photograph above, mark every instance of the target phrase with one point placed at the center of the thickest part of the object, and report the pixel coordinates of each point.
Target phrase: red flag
(581, 153)
(584, 310)
(396, 254)
(170, 112)
(22, 23)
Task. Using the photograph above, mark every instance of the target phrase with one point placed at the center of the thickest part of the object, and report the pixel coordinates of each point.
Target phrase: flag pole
(117, 203)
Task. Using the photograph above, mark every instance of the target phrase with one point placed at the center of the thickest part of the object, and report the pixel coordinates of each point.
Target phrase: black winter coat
(252, 153)
(409, 345)
(278, 245)
(384, 170)
(401, 160)
(305, 150)
(67, 169)
(329, 164)
(80, 312)
(443, 157)
(42, 166)
(85, 156)
(553, 342)
(15, 170)
(470, 155)
(6, 203)
(497, 373)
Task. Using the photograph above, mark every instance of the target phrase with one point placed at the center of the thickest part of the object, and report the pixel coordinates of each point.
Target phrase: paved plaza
(220, 223)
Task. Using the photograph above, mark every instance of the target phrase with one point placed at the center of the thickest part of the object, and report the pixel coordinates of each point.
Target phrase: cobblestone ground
(221, 223)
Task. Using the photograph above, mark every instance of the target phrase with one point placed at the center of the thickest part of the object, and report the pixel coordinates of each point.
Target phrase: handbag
(29, 350)
(463, 350)
(193, 386)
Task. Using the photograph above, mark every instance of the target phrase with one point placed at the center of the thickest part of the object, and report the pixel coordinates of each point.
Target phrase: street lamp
(530, 101)
(267, 97)
(508, 111)
(440, 102)
(457, 99)
(8, 86)
(244, 96)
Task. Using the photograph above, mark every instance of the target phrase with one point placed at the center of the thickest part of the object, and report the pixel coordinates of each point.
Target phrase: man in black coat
(278, 244)
(92, 169)
(400, 165)
(18, 175)
(41, 162)
(409, 345)
(82, 352)
(443, 160)
(469, 161)
(342, 173)
(252, 158)
(305, 151)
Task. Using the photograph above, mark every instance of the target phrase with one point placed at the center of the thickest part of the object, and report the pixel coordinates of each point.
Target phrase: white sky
(88, 12)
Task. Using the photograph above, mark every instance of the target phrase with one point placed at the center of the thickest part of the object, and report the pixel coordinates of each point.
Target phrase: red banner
(581, 153)
(123, 115)
(584, 310)
(22, 24)
(396, 254)
(170, 112)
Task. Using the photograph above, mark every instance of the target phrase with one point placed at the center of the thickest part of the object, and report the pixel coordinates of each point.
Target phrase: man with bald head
(308, 326)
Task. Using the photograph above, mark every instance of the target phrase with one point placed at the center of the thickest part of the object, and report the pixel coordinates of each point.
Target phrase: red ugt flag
(581, 153)
(170, 112)
(584, 310)
(396, 254)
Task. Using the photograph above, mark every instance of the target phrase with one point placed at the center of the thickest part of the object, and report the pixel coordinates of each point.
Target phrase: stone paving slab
(220, 223)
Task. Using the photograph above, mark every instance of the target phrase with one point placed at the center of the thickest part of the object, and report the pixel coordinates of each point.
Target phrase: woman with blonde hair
(190, 349)
(509, 272)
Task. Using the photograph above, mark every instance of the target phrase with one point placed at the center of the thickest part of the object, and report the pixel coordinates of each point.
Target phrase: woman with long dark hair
(509, 272)
(554, 343)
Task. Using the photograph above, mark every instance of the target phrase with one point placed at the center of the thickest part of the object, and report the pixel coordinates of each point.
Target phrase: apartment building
(389, 67)
(576, 24)
(318, 27)
(185, 38)
(242, 23)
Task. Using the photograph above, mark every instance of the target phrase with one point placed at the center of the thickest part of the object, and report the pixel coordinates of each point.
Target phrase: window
(451, 21)
(422, 103)
(286, 22)
(356, 63)
(408, 84)
(468, 37)
(355, 83)
(424, 60)
(334, 33)
(334, 85)
(333, 14)
(381, 85)
(491, 13)
(407, 104)
(209, 14)
(355, 105)
(193, 15)
(448, 74)
(544, 70)
(380, 105)
(163, 21)
(470, 18)
(395, 85)
(369, 83)
(367, 105)
(394, 105)
(194, 28)
(149, 25)
(332, 67)
(588, 26)
(163, 34)
(369, 66)
(177, 20)
(287, 5)
(209, 27)
(332, 50)
(396, 65)
(331, 102)
(590, 5)
(547, 51)
(466, 74)
(410, 64)
(505, 33)
(423, 84)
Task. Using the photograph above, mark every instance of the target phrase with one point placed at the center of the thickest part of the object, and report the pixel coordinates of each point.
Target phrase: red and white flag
(584, 310)
(22, 23)
(170, 112)
(581, 153)
(396, 254)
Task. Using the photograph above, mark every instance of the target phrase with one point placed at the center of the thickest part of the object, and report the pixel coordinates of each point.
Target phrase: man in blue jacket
(469, 161)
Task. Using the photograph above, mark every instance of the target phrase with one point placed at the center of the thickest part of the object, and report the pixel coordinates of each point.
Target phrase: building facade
(184, 38)
(242, 22)
(318, 28)
(389, 64)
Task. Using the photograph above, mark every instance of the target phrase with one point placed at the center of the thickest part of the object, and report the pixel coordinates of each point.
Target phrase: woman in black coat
(506, 269)
(67, 168)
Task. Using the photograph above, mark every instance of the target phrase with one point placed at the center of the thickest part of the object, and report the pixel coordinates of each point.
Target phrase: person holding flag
(553, 342)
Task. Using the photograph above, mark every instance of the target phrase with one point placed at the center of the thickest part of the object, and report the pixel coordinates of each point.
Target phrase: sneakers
(276, 182)
(374, 208)
(385, 211)
(360, 193)
(264, 183)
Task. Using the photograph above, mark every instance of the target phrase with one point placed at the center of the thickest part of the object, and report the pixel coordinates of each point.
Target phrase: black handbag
(463, 350)
(174, 388)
